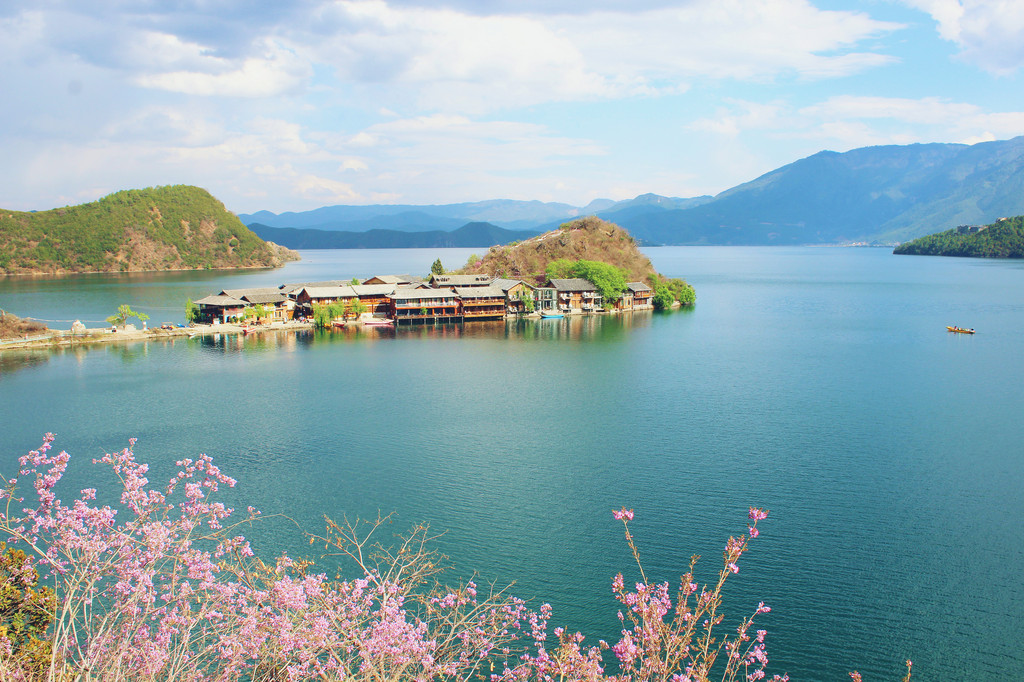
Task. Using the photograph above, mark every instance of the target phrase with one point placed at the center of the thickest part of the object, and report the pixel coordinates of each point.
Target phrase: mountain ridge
(881, 194)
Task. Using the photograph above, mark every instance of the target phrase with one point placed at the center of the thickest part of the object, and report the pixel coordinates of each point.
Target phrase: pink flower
(733, 567)
(756, 514)
(623, 514)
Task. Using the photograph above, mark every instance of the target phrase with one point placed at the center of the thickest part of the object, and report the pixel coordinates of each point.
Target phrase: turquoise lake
(818, 383)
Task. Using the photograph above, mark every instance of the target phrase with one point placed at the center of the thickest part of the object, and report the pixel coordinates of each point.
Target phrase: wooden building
(517, 292)
(576, 295)
(308, 296)
(219, 307)
(375, 297)
(641, 294)
(278, 306)
(409, 305)
(481, 302)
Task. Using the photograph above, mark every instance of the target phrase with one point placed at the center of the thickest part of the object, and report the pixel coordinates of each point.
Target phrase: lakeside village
(408, 299)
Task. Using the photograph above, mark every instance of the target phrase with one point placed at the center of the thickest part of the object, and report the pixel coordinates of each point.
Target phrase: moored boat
(378, 322)
(551, 315)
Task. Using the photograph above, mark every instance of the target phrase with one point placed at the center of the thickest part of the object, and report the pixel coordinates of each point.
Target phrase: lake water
(819, 383)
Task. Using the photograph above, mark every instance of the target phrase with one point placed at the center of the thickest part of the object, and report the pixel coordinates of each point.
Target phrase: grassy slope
(159, 228)
(586, 238)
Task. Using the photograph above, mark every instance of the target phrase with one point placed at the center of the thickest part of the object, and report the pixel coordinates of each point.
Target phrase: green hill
(583, 243)
(159, 228)
(589, 238)
(1002, 239)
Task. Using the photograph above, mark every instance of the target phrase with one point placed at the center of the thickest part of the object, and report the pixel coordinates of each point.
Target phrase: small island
(140, 230)
(585, 267)
(1002, 239)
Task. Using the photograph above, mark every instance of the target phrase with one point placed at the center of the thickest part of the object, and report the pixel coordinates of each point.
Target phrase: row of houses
(407, 298)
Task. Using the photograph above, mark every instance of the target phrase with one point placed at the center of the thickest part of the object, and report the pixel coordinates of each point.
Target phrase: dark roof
(254, 291)
(296, 288)
(220, 300)
(460, 280)
(479, 292)
(373, 289)
(331, 291)
(265, 298)
(506, 284)
(396, 279)
(574, 284)
(406, 294)
(637, 286)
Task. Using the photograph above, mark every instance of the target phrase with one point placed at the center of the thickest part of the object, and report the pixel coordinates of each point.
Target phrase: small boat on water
(378, 322)
(959, 330)
(551, 315)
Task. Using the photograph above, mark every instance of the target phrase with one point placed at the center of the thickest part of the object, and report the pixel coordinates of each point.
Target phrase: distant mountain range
(469, 235)
(883, 194)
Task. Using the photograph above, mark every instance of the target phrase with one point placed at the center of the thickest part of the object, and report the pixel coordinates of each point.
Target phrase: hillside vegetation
(1002, 239)
(588, 238)
(160, 228)
(578, 249)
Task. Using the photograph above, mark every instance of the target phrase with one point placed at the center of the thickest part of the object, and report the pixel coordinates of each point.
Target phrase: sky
(289, 106)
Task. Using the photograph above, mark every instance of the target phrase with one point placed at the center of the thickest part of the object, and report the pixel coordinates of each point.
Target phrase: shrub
(163, 588)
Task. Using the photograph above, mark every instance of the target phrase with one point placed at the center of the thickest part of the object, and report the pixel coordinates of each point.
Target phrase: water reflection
(611, 328)
(13, 360)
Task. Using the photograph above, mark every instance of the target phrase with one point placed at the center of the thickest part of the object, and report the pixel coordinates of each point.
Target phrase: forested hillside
(1002, 239)
(160, 228)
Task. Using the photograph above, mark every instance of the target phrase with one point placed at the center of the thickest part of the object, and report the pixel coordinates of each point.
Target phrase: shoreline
(63, 338)
(60, 338)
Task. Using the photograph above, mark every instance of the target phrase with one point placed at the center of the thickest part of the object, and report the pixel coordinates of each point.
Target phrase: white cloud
(275, 71)
(988, 32)
(324, 190)
(954, 119)
(845, 122)
(455, 61)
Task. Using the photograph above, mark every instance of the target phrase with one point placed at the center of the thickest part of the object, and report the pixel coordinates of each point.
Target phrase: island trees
(191, 311)
(125, 313)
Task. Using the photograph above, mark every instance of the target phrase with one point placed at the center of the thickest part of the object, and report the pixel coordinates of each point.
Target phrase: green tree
(561, 268)
(663, 297)
(125, 313)
(322, 317)
(437, 268)
(609, 280)
(257, 311)
(355, 281)
(191, 311)
(681, 291)
(26, 612)
(357, 308)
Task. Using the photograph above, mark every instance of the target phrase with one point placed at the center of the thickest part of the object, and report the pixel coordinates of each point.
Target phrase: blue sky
(281, 105)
